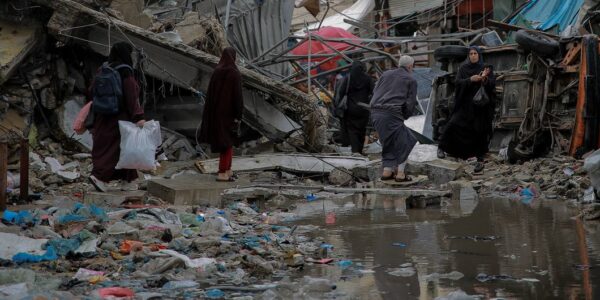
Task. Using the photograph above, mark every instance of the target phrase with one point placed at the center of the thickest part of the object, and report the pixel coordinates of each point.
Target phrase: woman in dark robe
(223, 112)
(356, 116)
(105, 131)
(469, 130)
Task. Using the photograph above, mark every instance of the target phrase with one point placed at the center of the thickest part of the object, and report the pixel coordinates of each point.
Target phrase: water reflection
(538, 248)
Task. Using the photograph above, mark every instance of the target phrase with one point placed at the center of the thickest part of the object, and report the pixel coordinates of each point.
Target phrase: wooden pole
(24, 161)
(3, 174)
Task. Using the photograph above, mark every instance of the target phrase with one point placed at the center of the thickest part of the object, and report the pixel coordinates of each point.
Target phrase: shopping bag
(79, 123)
(138, 145)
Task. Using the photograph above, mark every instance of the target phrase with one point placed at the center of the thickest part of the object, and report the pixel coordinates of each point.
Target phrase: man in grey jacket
(394, 99)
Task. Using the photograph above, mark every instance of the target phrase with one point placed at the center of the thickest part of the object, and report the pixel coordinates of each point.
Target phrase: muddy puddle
(492, 247)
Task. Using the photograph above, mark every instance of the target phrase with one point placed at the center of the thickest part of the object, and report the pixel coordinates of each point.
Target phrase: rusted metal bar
(394, 61)
(3, 173)
(24, 162)
(321, 87)
(269, 50)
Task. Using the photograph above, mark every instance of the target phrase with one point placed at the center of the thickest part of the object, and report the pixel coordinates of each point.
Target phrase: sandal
(392, 176)
(405, 179)
(230, 179)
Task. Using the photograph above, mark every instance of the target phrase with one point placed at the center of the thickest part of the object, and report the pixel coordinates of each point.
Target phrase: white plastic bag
(138, 145)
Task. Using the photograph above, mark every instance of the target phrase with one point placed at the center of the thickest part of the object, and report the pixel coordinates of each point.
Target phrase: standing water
(489, 248)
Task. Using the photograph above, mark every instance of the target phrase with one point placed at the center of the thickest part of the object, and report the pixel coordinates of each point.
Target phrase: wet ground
(543, 252)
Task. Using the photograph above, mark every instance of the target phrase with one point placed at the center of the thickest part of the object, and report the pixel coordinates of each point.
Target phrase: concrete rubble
(183, 235)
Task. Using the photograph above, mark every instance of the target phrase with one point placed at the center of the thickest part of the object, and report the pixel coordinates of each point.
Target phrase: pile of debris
(153, 252)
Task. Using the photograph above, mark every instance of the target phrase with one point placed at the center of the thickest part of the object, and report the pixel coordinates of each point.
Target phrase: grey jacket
(396, 92)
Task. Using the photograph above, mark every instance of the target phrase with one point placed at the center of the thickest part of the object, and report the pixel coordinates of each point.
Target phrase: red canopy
(318, 47)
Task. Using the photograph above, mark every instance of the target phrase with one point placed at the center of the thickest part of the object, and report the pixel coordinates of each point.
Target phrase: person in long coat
(394, 101)
(223, 112)
(105, 131)
(356, 116)
(469, 130)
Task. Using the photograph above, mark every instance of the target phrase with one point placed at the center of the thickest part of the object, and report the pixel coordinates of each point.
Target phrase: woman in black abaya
(469, 130)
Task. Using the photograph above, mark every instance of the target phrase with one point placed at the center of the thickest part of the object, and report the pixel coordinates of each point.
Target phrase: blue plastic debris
(344, 263)
(215, 294)
(63, 246)
(18, 218)
(398, 244)
(22, 257)
(311, 197)
(327, 246)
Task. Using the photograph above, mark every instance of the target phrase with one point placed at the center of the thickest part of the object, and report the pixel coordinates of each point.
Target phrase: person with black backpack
(353, 94)
(115, 95)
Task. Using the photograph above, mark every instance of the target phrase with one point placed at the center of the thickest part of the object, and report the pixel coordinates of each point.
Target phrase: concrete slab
(16, 41)
(110, 198)
(439, 171)
(190, 190)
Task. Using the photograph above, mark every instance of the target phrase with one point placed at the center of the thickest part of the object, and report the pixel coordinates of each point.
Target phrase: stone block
(190, 190)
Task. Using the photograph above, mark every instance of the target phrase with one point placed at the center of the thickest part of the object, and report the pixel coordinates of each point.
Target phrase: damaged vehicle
(542, 89)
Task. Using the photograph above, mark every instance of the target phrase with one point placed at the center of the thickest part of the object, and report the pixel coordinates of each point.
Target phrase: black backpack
(108, 90)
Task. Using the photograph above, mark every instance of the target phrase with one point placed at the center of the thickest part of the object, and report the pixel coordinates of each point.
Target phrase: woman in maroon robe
(105, 132)
(223, 112)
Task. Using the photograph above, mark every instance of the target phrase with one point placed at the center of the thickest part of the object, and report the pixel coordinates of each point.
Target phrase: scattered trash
(476, 238)
(215, 294)
(568, 171)
(454, 275)
(311, 197)
(402, 271)
(344, 264)
(86, 274)
(485, 278)
(398, 244)
(115, 292)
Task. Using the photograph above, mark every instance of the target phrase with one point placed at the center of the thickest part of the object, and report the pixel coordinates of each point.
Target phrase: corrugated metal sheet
(399, 8)
(254, 25)
(548, 14)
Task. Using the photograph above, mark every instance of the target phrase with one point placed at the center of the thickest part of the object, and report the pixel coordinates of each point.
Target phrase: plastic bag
(481, 98)
(79, 123)
(138, 145)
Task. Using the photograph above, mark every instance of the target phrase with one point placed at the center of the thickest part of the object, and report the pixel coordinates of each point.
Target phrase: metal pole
(321, 87)
(324, 16)
(269, 50)
(3, 174)
(484, 13)
(228, 10)
(24, 161)
(309, 54)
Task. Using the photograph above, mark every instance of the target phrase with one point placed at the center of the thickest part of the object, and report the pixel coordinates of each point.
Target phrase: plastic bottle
(321, 285)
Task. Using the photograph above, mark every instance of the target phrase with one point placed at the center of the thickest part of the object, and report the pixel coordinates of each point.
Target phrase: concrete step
(200, 189)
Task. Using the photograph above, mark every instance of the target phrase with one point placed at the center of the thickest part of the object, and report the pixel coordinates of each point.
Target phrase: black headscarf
(358, 75)
(227, 59)
(120, 53)
(468, 68)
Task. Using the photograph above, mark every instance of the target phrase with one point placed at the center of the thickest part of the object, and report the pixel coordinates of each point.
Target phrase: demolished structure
(184, 235)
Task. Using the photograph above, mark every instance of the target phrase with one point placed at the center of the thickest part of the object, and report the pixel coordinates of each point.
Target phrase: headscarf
(120, 53)
(468, 68)
(358, 75)
(227, 59)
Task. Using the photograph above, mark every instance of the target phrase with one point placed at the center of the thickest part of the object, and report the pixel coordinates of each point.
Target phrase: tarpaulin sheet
(547, 15)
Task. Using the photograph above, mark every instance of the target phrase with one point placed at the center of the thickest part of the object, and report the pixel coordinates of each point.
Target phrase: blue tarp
(548, 14)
